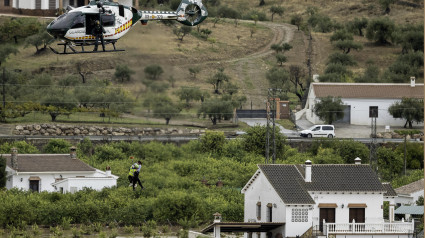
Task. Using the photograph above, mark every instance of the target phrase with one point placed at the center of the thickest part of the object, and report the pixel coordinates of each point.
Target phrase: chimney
(412, 82)
(108, 171)
(308, 171)
(73, 152)
(14, 158)
(357, 161)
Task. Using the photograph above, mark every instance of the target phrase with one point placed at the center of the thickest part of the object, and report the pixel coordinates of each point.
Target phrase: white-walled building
(362, 98)
(409, 193)
(54, 173)
(332, 200)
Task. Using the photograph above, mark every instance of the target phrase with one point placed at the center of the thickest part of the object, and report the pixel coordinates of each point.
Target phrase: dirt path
(249, 70)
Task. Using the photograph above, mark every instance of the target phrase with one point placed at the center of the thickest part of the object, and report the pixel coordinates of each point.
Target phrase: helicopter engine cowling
(191, 12)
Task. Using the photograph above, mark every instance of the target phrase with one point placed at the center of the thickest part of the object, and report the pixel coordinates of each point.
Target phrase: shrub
(255, 140)
(107, 153)
(261, 16)
(213, 141)
(113, 233)
(66, 223)
(76, 233)
(227, 12)
(57, 146)
(129, 229)
(183, 233)
(22, 146)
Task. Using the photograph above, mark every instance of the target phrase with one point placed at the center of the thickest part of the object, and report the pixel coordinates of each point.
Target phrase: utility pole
(4, 88)
(373, 145)
(271, 115)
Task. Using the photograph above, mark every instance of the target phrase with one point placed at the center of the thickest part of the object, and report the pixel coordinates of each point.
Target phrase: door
(358, 214)
(347, 115)
(34, 185)
(37, 4)
(317, 131)
(80, 3)
(327, 214)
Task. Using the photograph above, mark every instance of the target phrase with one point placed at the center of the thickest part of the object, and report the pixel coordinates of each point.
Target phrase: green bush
(212, 141)
(57, 146)
(261, 15)
(129, 229)
(113, 233)
(76, 232)
(108, 152)
(22, 146)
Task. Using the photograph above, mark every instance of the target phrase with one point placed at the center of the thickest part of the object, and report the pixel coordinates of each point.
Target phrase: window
(316, 129)
(299, 215)
(78, 22)
(71, 3)
(328, 128)
(258, 210)
(61, 190)
(373, 111)
(108, 20)
(35, 185)
(7, 3)
(269, 212)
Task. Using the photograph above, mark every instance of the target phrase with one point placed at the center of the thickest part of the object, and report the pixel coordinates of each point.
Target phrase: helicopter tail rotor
(191, 12)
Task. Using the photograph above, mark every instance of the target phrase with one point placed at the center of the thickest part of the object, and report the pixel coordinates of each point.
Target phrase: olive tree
(329, 109)
(409, 109)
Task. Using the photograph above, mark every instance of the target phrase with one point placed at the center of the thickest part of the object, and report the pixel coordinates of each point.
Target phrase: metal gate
(251, 113)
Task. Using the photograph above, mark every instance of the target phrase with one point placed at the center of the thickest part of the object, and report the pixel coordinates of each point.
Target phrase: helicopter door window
(78, 22)
(108, 20)
(121, 10)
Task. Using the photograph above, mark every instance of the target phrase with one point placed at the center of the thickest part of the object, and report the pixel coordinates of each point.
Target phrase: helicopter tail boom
(189, 12)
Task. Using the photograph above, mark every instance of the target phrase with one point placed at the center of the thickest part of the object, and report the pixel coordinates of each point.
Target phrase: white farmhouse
(332, 200)
(409, 194)
(54, 173)
(363, 98)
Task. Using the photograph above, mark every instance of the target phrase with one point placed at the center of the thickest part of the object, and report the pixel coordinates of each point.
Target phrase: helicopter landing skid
(82, 51)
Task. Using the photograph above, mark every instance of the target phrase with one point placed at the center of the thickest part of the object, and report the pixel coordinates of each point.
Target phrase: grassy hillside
(245, 59)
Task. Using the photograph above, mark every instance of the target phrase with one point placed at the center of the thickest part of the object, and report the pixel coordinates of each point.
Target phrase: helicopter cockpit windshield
(65, 20)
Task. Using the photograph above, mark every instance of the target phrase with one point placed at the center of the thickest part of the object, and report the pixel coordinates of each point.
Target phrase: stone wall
(82, 130)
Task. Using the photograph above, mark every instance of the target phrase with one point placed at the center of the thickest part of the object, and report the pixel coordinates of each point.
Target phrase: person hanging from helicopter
(98, 31)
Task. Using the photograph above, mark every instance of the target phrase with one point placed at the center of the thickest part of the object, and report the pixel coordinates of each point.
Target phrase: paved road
(341, 130)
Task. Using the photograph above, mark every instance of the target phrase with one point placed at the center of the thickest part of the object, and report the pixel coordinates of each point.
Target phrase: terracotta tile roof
(48, 163)
(288, 180)
(390, 191)
(368, 90)
(411, 187)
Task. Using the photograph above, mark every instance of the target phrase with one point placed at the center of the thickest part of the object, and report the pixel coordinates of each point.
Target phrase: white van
(319, 131)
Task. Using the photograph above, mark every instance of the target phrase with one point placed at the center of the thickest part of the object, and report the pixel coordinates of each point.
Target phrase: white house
(363, 98)
(409, 194)
(54, 173)
(331, 200)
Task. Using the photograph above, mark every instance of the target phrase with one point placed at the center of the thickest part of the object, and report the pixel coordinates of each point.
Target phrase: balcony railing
(369, 228)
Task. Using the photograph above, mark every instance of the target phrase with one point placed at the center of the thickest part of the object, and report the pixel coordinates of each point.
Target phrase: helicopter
(75, 27)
